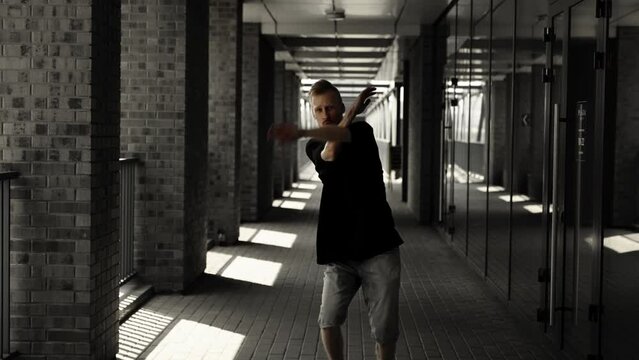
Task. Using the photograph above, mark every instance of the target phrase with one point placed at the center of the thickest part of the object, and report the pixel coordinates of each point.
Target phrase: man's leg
(385, 351)
(333, 342)
(340, 285)
(380, 286)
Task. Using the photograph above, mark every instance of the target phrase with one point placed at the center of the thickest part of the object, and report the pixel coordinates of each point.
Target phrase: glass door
(620, 250)
(572, 290)
(448, 132)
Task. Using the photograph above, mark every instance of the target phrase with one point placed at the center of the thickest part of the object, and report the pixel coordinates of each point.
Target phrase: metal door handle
(555, 212)
(581, 129)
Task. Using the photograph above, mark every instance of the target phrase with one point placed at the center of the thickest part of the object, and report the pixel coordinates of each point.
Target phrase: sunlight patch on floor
(490, 189)
(293, 205)
(275, 238)
(300, 195)
(253, 270)
(304, 186)
(462, 176)
(139, 331)
(516, 198)
(126, 302)
(534, 208)
(215, 262)
(621, 244)
(246, 233)
(289, 204)
(192, 340)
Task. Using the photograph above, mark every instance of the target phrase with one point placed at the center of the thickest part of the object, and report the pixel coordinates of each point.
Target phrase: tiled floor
(260, 299)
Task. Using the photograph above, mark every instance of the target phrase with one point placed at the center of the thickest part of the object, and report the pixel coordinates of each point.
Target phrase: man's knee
(386, 336)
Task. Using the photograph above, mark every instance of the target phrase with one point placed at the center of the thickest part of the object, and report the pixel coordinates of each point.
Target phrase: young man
(356, 236)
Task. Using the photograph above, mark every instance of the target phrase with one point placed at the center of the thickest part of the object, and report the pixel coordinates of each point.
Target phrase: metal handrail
(127, 217)
(5, 198)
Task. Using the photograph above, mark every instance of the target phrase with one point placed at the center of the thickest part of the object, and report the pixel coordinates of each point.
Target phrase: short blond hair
(323, 86)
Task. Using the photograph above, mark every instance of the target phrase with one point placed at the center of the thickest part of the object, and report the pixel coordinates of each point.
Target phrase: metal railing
(5, 197)
(127, 217)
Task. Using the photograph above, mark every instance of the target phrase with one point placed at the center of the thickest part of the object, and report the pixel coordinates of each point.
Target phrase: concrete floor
(260, 300)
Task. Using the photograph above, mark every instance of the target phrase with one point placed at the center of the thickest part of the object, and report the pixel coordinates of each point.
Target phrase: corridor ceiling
(347, 51)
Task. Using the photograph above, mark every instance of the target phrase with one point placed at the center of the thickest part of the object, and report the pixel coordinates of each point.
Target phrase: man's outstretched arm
(288, 132)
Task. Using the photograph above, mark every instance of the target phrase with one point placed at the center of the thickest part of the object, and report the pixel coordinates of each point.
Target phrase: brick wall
(250, 115)
(265, 120)
(415, 115)
(155, 107)
(56, 58)
(196, 140)
(104, 229)
(523, 133)
(258, 104)
(537, 137)
(292, 115)
(424, 123)
(626, 176)
(278, 118)
(500, 114)
(225, 48)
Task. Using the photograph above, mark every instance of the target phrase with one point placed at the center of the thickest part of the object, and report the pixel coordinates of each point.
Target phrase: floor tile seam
(200, 304)
(432, 333)
(281, 293)
(413, 318)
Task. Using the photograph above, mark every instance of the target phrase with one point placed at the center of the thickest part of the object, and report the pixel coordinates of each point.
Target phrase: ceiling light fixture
(335, 14)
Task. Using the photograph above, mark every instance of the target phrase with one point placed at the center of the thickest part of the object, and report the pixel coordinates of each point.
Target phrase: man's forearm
(332, 147)
(348, 118)
(327, 133)
(333, 135)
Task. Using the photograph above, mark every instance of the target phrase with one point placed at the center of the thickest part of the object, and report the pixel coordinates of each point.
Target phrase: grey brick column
(225, 48)
(499, 125)
(424, 123)
(258, 110)
(250, 115)
(164, 123)
(626, 158)
(265, 121)
(59, 116)
(278, 118)
(291, 115)
(523, 133)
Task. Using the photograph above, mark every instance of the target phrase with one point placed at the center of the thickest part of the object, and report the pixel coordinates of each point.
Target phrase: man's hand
(363, 99)
(284, 132)
(358, 107)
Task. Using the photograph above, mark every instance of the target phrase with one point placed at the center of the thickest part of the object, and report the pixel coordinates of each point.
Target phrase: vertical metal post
(4, 255)
(127, 203)
(122, 221)
(555, 214)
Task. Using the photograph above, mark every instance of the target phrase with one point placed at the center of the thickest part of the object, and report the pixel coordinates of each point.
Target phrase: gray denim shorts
(379, 278)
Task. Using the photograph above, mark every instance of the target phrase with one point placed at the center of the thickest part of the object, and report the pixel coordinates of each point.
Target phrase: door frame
(599, 118)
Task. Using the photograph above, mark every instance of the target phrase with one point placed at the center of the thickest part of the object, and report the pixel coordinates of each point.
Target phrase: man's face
(327, 108)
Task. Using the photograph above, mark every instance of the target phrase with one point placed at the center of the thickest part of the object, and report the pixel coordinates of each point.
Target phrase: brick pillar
(278, 118)
(291, 114)
(523, 132)
(499, 121)
(250, 115)
(537, 136)
(424, 123)
(164, 123)
(258, 113)
(56, 61)
(225, 48)
(266, 111)
(625, 206)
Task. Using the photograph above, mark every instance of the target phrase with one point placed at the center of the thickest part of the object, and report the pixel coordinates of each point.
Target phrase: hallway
(447, 311)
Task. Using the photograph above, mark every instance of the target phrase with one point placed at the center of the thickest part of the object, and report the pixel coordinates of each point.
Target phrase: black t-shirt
(355, 220)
